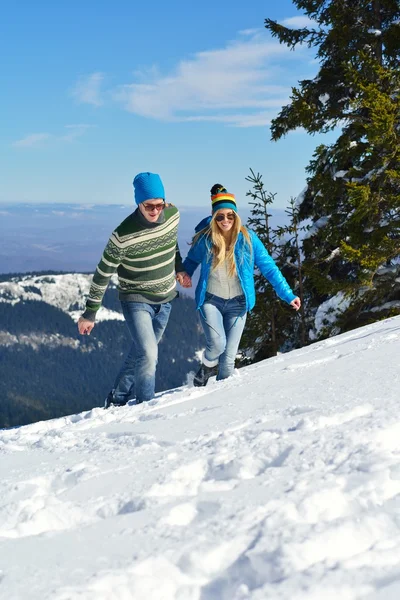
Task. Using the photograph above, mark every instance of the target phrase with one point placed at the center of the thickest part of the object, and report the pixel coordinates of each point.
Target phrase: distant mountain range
(47, 369)
(70, 237)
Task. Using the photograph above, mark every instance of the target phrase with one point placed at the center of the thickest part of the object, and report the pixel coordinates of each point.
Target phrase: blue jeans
(146, 323)
(223, 323)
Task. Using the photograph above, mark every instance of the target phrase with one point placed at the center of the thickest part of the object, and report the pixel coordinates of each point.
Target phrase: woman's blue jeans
(223, 323)
(146, 323)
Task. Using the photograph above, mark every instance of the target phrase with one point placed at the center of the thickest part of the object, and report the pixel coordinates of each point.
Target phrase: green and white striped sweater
(144, 255)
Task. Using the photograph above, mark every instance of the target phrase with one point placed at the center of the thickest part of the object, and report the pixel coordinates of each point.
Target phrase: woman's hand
(296, 303)
(184, 279)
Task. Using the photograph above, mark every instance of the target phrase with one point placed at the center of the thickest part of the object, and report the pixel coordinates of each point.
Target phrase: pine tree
(292, 268)
(353, 192)
(269, 326)
(261, 331)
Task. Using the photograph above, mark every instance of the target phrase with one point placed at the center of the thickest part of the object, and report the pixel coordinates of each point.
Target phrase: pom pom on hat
(148, 185)
(221, 198)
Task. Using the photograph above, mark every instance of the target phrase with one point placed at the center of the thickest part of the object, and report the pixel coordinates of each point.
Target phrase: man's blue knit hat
(147, 186)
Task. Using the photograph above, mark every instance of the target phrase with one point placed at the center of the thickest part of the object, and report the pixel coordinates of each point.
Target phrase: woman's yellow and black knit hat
(221, 198)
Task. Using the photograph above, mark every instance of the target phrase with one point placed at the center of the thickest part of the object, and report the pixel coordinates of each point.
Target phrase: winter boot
(203, 375)
(110, 401)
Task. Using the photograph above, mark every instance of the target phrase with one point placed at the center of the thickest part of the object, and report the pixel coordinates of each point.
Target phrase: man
(144, 251)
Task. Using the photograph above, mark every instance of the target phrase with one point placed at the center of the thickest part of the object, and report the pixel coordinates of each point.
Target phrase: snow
(376, 32)
(103, 314)
(391, 270)
(333, 254)
(301, 196)
(324, 98)
(315, 227)
(329, 311)
(340, 174)
(61, 291)
(375, 173)
(282, 483)
(34, 340)
(65, 292)
(386, 306)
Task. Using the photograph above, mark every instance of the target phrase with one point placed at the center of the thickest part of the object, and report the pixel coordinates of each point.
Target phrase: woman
(227, 253)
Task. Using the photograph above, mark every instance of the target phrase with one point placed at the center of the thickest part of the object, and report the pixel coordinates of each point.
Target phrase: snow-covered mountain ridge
(67, 291)
(281, 483)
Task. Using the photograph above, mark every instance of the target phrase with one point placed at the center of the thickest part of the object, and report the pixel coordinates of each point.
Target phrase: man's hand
(184, 279)
(85, 326)
(296, 303)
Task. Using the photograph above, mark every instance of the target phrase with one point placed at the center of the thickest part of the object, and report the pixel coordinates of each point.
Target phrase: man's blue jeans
(223, 323)
(146, 323)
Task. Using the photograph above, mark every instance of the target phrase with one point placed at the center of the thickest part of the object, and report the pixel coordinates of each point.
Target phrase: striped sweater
(144, 255)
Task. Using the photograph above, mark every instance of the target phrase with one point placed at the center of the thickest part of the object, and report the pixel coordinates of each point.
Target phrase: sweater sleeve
(109, 263)
(178, 260)
(269, 269)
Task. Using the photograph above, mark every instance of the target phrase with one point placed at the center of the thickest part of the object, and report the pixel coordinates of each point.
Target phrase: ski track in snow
(281, 483)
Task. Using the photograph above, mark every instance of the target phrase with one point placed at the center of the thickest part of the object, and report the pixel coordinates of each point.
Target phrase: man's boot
(110, 401)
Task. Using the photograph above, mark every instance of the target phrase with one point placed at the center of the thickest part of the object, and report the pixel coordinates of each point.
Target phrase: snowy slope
(280, 483)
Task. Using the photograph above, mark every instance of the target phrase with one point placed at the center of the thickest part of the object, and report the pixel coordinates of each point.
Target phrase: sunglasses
(229, 217)
(150, 207)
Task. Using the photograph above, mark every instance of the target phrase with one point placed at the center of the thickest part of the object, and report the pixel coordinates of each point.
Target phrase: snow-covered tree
(353, 193)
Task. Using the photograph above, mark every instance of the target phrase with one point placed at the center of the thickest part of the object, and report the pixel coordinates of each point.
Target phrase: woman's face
(225, 218)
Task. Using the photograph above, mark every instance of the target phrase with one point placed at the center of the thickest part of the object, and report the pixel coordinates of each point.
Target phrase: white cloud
(88, 89)
(251, 32)
(74, 132)
(299, 22)
(35, 140)
(233, 84)
(32, 140)
(261, 119)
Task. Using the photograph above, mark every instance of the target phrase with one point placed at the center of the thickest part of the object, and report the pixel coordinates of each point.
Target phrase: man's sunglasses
(229, 217)
(150, 207)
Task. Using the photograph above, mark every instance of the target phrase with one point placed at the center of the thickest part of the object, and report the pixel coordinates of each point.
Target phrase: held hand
(184, 279)
(187, 281)
(180, 277)
(296, 303)
(85, 326)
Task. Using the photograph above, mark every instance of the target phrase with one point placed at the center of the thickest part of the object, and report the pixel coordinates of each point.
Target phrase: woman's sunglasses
(150, 207)
(229, 217)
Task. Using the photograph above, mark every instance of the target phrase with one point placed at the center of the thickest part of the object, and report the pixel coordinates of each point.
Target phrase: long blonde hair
(217, 242)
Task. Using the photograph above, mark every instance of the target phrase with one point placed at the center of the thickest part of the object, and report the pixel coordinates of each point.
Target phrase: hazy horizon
(71, 237)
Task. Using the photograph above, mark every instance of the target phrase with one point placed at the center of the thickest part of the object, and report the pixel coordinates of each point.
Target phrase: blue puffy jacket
(246, 260)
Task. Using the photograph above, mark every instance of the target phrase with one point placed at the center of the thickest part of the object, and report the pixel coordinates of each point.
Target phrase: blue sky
(94, 92)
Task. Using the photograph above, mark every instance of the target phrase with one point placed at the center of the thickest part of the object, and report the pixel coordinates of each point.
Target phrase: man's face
(152, 208)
